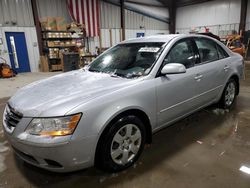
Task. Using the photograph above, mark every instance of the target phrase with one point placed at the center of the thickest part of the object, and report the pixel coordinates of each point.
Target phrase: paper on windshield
(149, 49)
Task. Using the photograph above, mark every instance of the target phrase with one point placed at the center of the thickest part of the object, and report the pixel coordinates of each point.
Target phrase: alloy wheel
(126, 144)
(230, 94)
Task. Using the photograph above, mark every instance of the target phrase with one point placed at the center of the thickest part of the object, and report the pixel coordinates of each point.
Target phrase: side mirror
(173, 68)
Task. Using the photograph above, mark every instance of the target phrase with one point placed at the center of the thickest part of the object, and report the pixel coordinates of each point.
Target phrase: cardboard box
(56, 67)
(50, 43)
(44, 23)
(48, 24)
(44, 66)
(61, 24)
(52, 23)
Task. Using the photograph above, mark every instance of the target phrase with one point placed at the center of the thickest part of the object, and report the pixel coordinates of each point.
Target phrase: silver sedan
(104, 114)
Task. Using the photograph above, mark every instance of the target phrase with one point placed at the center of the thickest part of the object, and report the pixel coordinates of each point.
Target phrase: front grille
(12, 117)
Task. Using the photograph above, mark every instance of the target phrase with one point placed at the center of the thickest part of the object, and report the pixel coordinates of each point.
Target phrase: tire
(121, 145)
(229, 94)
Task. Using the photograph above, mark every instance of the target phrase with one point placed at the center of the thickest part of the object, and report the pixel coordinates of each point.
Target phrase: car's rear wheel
(229, 94)
(121, 145)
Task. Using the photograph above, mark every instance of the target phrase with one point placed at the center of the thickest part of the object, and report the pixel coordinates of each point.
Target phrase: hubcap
(126, 144)
(230, 94)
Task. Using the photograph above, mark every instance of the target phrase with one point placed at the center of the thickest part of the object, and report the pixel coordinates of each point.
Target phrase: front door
(18, 51)
(175, 92)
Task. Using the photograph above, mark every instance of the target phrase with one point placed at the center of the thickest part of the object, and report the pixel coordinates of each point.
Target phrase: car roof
(154, 38)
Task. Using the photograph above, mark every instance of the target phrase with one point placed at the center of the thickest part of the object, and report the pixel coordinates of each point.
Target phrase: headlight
(58, 126)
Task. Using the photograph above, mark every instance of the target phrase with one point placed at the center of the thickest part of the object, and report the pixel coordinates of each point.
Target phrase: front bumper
(64, 157)
(59, 154)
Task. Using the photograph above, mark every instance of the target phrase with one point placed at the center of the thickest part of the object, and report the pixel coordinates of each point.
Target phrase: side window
(207, 50)
(221, 52)
(182, 52)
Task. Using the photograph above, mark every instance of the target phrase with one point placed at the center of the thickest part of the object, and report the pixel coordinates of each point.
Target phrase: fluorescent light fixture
(245, 169)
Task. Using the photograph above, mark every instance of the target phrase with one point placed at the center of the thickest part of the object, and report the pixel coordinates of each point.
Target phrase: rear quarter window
(221, 52)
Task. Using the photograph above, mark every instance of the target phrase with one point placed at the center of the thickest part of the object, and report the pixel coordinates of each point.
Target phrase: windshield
(128, 60)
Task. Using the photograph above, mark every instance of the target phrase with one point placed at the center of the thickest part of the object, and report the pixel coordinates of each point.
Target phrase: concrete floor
(204, 150)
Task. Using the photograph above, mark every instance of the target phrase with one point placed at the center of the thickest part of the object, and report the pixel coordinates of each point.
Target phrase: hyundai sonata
(104, 114)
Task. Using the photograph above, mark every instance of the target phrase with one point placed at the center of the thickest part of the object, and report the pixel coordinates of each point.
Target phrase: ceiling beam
(38, 26)
(172, 16)
(243, 15)
(182, 3)
(140, 3)
(122, 7)
(165, 2)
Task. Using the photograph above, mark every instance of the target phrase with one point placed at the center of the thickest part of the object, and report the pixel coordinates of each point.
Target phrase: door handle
(226, 68)
(198, 77)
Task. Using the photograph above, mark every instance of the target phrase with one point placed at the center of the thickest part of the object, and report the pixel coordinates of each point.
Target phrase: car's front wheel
(229, 94)
(122, 144)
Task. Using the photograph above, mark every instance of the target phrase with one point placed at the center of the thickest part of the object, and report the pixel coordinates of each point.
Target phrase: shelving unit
(55, 43)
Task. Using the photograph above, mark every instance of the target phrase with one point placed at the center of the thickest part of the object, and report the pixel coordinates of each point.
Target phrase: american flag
(86, 12)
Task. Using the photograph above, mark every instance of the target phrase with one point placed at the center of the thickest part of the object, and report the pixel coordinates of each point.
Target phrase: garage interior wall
(53, 8)
(248, 16)
(17, 16)
(110, 21)
(222, 17)
(134, 23)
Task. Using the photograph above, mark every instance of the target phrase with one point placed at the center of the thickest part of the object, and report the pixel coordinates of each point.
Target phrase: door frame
(6, 32)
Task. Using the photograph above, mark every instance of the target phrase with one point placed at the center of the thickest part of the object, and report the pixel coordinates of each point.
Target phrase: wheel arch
(136, 112)
(237, 80)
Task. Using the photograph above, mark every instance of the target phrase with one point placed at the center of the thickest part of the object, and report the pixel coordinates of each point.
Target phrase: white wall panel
(53, 8)
(110, 18)
(134, 22)
(129, 33)
(215, 14)
(110, 15)
(93, 42)
(16, 11)
(31, 41)
(248, 16)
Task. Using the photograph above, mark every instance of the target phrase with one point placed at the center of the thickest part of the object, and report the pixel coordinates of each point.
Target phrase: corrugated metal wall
(110, 19)
(16, 13)
(129, 33)
(248, 16)
(109, 16)
(134, 23)
(53, 8)
(31, 42)
(17, 16)
(20, 12)
(134, 20)
(222, 16)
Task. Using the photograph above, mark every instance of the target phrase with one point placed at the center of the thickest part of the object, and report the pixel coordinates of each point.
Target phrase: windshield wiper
(116, 75)
(134, 75)
(93, 70)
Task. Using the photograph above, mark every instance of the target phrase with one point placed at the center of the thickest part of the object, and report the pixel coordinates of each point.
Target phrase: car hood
(57, 95)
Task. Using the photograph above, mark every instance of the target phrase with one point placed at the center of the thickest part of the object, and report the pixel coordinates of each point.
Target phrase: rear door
(211, 70)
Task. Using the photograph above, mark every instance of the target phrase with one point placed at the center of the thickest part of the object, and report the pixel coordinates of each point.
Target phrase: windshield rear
(128, 60)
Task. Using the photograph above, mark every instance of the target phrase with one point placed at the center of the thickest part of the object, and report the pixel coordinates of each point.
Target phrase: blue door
(18, 51)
